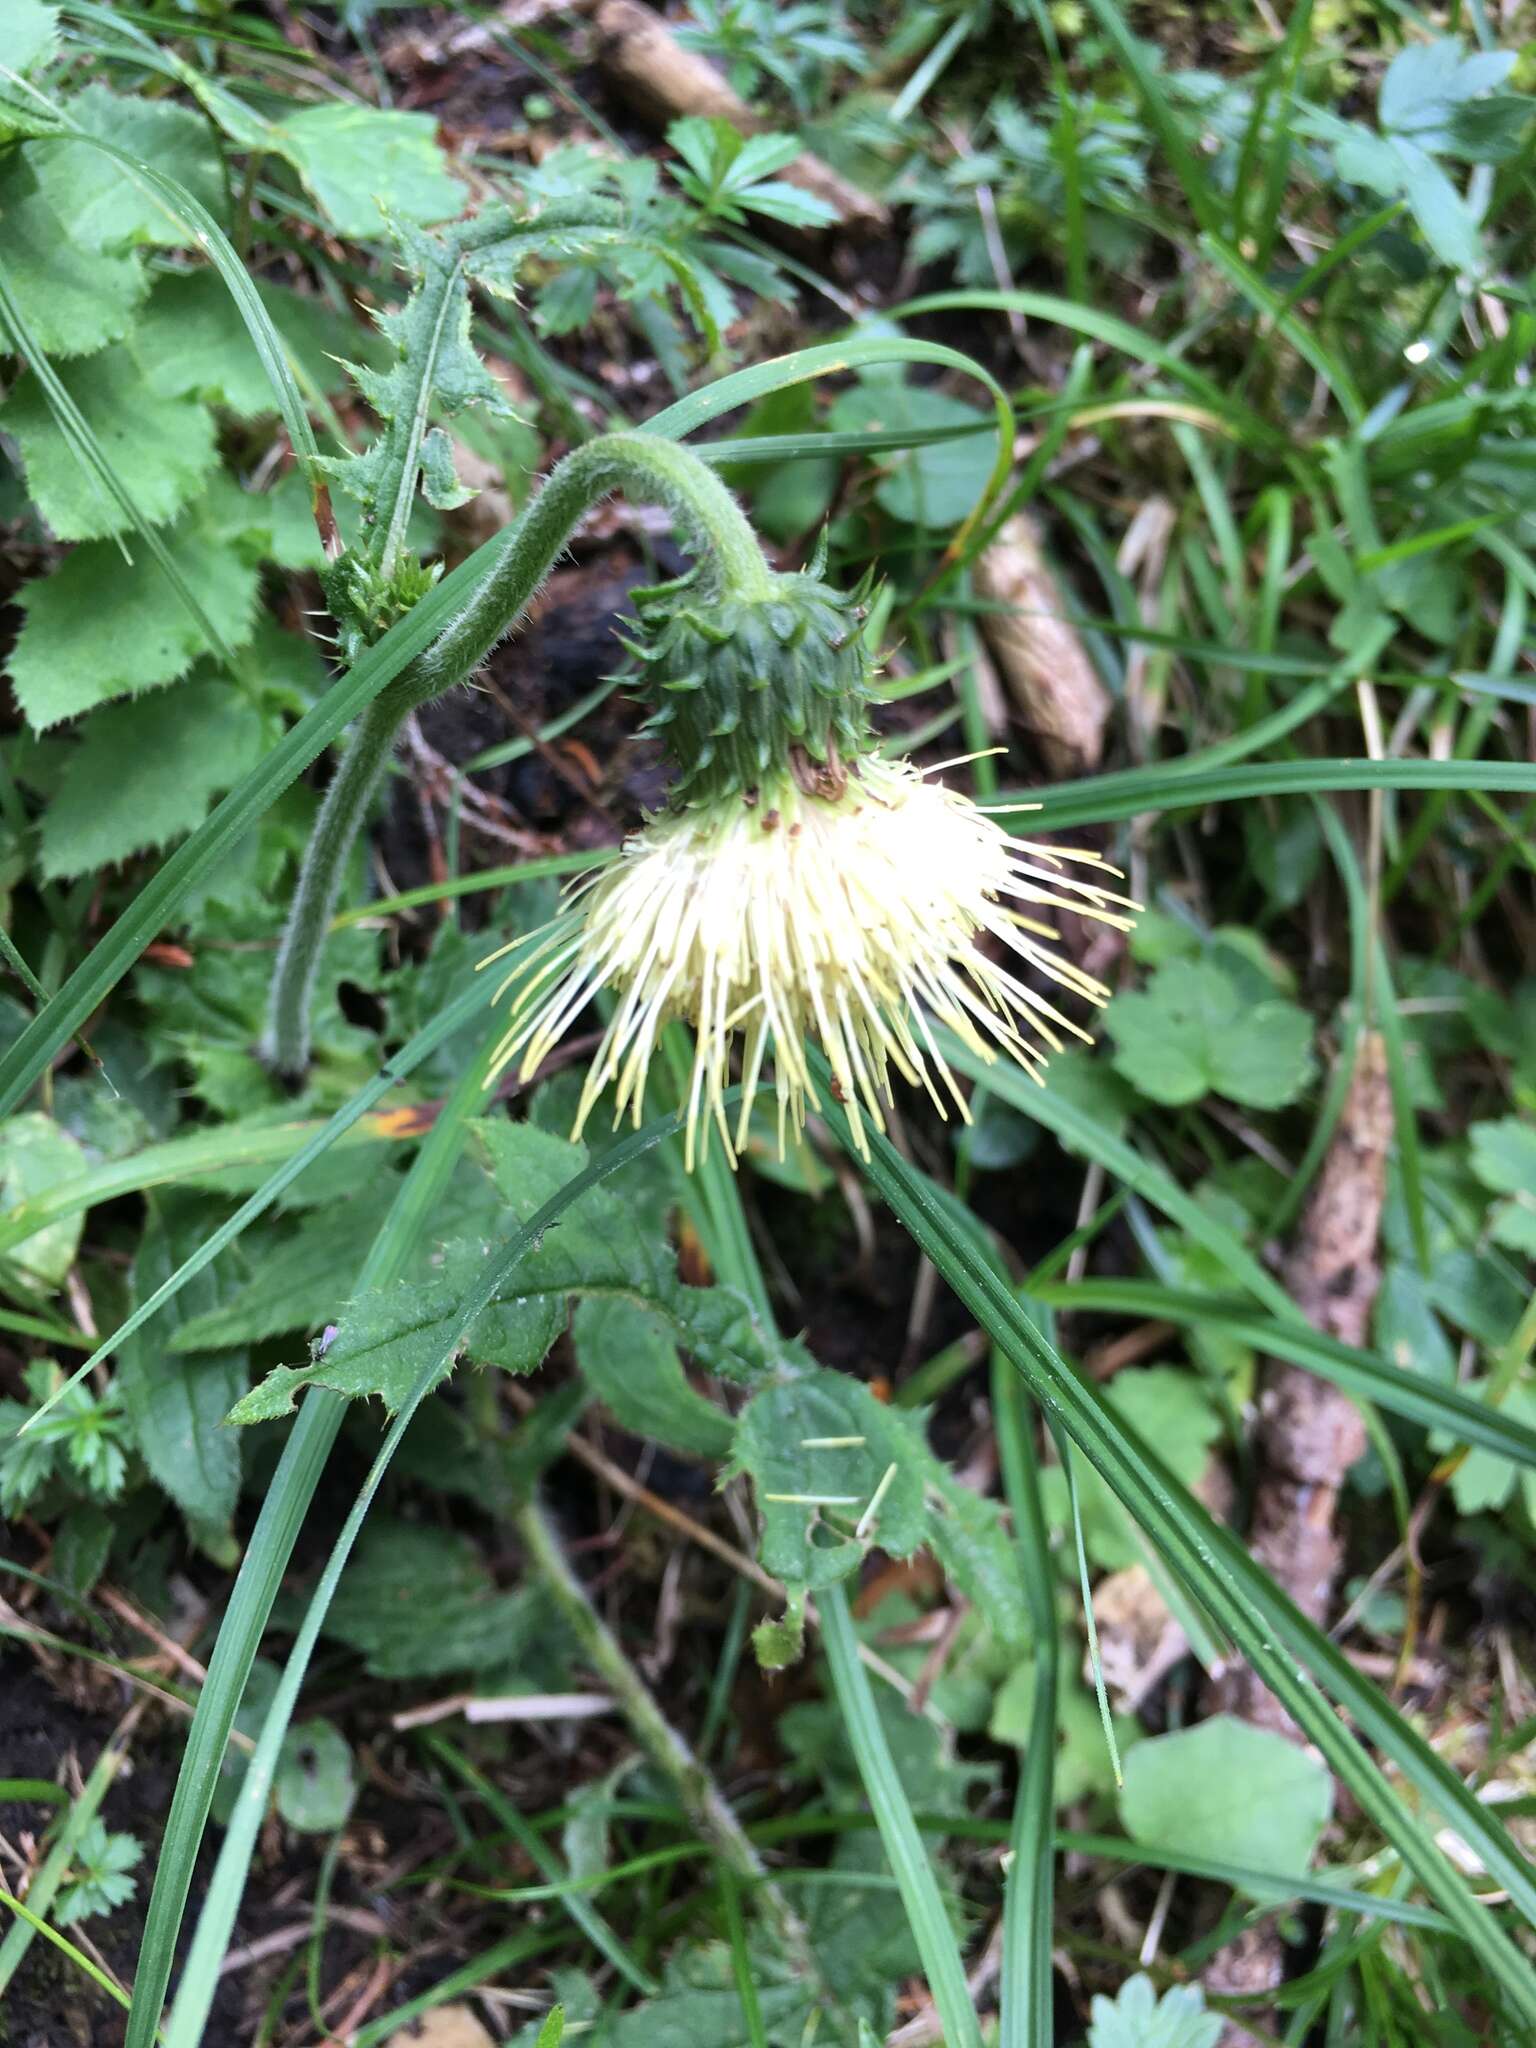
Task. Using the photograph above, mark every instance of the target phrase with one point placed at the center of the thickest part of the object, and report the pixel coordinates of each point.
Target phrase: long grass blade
(194, 1999)
(1293, 1658)
(898, 1830)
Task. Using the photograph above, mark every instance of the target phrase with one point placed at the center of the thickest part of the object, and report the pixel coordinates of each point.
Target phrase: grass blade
(1293, 1658)
(898, 1830)
(194, 1999)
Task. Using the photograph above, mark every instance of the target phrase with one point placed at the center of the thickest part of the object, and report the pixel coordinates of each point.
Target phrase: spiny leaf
(601, 1247)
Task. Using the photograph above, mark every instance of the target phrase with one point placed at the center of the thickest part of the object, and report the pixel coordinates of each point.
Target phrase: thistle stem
(648, 470)
(697, 1792)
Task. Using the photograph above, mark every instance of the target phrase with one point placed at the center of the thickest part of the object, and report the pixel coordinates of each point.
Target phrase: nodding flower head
(834, 895)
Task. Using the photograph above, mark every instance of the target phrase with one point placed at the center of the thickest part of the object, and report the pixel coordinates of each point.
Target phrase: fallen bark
(662, 81)
(1309, 1435)
(1055, 687)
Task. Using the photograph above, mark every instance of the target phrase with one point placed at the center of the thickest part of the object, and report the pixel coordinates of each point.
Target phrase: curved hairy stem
(647, 469)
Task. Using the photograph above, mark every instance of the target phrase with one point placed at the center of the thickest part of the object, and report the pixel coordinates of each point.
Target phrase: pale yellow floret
(851, 919)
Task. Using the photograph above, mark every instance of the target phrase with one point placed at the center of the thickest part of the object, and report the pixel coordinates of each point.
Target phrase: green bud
(751, 689)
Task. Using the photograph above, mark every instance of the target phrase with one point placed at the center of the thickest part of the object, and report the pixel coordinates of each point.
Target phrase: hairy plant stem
(647, 469)
(697, 1792)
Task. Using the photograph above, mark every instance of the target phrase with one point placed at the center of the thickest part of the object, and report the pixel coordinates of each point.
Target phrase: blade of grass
(194, 1997)
(1024, 1993)
(1294, 1659)
(1100, 799)
(1364, 1373)
(898, 1830)
(261, 1572)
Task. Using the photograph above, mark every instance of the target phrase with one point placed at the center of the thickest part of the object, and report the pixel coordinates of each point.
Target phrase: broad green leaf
(163, 449)
(1406, 1328)
(1427, 83)
(74, 299)
(933, 486)
(186, 745)
(1504, 1160)
(419, 1602)
(1083, 1766)
(82, 1544)
(368, 166)
(191, 341)
(35, 1156)
(629, 1359)
(824, 1438)
(101, 627)
(299, 1282)
(177, 1401)
(31, 29)
(1190, 1033)
(1228, 1790)
(1445, 219)
(107, 207)
(1138, 2018)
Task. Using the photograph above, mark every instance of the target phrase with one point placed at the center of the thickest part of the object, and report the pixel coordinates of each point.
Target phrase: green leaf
(32, 29)
(435, 369)
(367, 167)
(1083, 1767)
(99, 1868)
(1427, 83)
(629, 1359)
(1445, 219)
(1504, 1160)
(191, 341)
(74, 299)
(1228, 1790)
(101, 627)
(107, 208)
(177, 1401)
(603, 1246)
(163, 448)
(1138, 2018)
(36, 1155)
(935, 485)
(419, 1603)
(781, 1443)
(82, 1543)
(186, 744)
(1191, 1033)
(315, 1786)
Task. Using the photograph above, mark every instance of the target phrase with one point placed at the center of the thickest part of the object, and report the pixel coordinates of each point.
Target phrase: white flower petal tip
(853, 919)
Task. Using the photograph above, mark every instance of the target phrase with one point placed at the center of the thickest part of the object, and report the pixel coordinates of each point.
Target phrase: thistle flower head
(853, 904)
